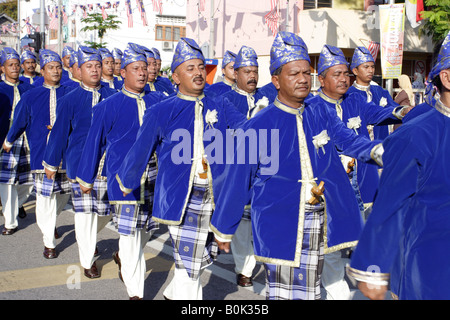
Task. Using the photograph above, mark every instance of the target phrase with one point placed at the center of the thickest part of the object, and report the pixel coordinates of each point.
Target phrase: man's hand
(7, 149)
(50, 174)
(85, 189)
(125, 194)
(224, 246)
(373, 291)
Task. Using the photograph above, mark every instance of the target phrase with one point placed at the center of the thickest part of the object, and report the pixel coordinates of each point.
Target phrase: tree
(95, 22)
(9, 8)
(436, 20)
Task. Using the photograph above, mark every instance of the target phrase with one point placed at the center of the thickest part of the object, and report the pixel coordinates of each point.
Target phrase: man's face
(108, 66)
(90, 73)
(76, 72)
(294, 82)
(247, 78)
(29, 67)
(228, 72)
(152, 67)
(190, 76)
(117, 64)
(66, 61)
(158, 66)
(135, 76)
(364, 72)
(336, 82)
(11, 69)
(52, 73)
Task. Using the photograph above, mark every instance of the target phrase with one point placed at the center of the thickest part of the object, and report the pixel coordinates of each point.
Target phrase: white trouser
(333, 277)
(183, 287)
(242, 249)
(87, 225)
(47, 209)
(133, 266)
(13, 196)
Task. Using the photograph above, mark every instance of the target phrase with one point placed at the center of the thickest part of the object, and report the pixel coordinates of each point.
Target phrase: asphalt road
(26, 275)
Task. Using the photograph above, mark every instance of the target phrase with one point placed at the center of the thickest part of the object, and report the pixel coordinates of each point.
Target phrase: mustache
(198, 78)
(251, 81)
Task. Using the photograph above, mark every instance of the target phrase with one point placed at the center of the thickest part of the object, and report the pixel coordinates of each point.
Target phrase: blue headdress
(330, 56)
(287, 47)
(187, 49)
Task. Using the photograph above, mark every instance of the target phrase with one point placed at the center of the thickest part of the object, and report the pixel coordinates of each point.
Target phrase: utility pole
(211, 32)
(286, 21)
(390, 82)
(59, 27)
(18, 26)
(42, 22)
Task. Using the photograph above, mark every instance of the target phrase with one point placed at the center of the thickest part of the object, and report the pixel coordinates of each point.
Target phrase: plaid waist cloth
(15, 164)
(302, 283)
(46, 187)
(94, 202)
(129, 217)
(194, 247)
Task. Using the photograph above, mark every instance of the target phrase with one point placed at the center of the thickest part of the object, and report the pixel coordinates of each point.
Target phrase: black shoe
(22, 213)
(8, 232)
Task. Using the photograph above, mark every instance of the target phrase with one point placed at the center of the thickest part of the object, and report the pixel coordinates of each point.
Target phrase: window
(169, 33)
(314, 4)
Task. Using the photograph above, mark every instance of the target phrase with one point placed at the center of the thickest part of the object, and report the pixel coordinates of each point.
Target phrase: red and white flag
(271, 18)
(201, 5)
(53, 19)
(129, 13)
(373, 49)
(157, 6)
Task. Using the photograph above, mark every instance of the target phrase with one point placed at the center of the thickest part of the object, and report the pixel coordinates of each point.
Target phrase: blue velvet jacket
(357, 114)
(278, 197)
(69, 132)
(381, 97)
(115, 124)
(168, 130)
(32, 115)
(240, 100)
(219, 88)
(406, 237)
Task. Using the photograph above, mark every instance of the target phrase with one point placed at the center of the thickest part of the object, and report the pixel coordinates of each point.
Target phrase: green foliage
(95, 22)
(9, 8)
(436, 19)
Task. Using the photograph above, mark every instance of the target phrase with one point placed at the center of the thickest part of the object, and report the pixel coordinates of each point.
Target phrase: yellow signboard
(392, 27)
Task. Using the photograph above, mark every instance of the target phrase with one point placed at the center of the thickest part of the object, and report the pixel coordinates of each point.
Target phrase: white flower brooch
(383, 102)
(211, 117)
(320, 140)
(354, 123)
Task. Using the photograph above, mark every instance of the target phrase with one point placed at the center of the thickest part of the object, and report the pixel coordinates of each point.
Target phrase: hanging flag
(411, 12)
(64, 16)
(141, 9)
(271, 18)
(129, 13)
(157, 6)
(201, 5)
(116, 4)
(373, 48)
(28, 25)
(104, 14)
(420, 8)
(54, 19)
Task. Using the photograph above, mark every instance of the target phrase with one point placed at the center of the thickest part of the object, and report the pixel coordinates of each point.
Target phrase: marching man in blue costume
(247, 99)
(28, 64)
(115, 124)
(244, 94)
(67, 139)
(16, 180)
(74, 79)
(406, 238)
(180, 129)
(371, 93)
(164, 84)
(229, 78)
(35, 114)
(294, 202)
(108, 66)
(152, 69)
(117, 55)
(356, 114)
